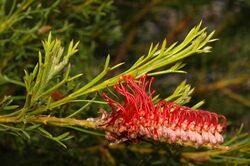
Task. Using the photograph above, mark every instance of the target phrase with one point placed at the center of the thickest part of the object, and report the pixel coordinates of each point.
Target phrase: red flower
(137, 117)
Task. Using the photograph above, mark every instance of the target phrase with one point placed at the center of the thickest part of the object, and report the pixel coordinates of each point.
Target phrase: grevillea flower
(136, 117)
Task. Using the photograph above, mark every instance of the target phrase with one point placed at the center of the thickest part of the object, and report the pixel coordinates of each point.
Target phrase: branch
(50, 120)
(236, 97)
(221, 84)
(54, 121)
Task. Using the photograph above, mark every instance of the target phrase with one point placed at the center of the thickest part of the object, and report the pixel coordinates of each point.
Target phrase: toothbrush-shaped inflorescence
(137, 117)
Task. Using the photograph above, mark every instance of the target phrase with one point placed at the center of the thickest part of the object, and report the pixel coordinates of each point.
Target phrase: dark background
(125, 29)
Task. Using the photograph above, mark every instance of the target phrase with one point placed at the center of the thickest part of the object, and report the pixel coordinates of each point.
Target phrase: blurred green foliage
(125, 29)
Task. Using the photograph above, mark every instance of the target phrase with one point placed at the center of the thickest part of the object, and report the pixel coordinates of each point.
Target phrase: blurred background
(124, 29)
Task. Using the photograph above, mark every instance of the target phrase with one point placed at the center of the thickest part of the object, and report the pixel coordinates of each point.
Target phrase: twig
(62, 121)
(236, 97)
(50, 120)
(221, 84)
(124, 47)
(203, 156)
(179, 28)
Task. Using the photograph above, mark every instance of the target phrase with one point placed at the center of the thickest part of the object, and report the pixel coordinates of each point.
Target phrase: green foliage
(33, 119)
